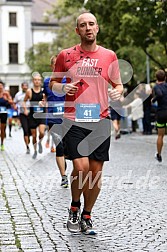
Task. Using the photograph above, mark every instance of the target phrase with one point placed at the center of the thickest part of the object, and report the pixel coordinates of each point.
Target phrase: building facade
(21, 26)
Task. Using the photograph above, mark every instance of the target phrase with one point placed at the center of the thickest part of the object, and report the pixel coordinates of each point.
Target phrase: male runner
(91, 69)
(55, 109)
(18, 99)
(160, 95)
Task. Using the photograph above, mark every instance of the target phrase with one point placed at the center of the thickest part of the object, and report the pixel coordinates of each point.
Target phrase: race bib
(87, 112)
(3, 110)
(37, 109)
(58, 108)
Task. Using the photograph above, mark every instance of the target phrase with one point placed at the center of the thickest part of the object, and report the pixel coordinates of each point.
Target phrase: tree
(131, 23)
(38, 57)
(66, 16)
(144, 25)
(132, 28)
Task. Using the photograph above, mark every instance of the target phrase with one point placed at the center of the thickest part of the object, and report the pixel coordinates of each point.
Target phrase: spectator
(160, 95)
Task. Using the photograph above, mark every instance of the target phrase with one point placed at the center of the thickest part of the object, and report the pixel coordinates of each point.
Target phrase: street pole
(148, 69)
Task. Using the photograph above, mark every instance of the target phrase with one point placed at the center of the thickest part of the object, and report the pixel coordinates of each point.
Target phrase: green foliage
(140, 23)
(132, 28)
(66, 35)
(38, 57)
(66, 13)
(138, 61)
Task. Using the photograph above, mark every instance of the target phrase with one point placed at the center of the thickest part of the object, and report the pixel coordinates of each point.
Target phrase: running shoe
(2, 147)
(158, 157)
(40, 147)
(28, 150)
(86, 225)
(73, 222)
(117, 136)
(64, 181)
(34, 155)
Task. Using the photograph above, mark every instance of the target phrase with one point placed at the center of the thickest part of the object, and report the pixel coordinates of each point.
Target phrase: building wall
(26, 34)
(13, 74)
(43, 34)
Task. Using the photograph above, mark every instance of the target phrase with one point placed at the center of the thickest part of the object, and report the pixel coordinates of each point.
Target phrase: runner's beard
(88, 41)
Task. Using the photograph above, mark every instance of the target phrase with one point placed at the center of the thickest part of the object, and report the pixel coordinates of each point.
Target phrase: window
(12, 19)
(13, 53)
(13, 90)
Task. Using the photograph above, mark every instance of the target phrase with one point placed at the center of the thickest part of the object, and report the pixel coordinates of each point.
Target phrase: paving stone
(28, 241)
(8, 248)
(129, 217)
(33, 250)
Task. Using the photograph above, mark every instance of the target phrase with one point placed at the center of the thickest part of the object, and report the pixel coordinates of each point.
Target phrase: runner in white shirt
(18, 99)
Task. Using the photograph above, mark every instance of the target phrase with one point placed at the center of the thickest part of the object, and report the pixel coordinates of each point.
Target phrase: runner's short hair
(160, 75)
(52, 58)
(24, 83)
(84, 12)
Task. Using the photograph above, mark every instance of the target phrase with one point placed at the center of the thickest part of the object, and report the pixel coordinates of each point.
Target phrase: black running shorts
(56, 133)
(35, 122)
(3, 118)
(161, 119)
(115, 115)
(87, 139)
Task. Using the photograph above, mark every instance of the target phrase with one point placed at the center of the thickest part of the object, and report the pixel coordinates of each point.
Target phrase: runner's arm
(115, 93)
(68, 88)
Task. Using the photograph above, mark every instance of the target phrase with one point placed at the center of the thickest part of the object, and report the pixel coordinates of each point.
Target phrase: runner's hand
(42, 103)
(70, 88)
(114, 94)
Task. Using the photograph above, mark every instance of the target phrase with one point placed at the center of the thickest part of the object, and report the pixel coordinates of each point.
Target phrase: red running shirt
(93, 71)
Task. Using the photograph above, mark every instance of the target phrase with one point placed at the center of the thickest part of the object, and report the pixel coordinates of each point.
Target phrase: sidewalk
(130, 213)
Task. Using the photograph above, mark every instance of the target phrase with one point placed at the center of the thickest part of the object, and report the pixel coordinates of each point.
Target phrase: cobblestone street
(130, 213)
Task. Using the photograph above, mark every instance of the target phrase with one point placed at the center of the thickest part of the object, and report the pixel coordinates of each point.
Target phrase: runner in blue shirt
(55, 110)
